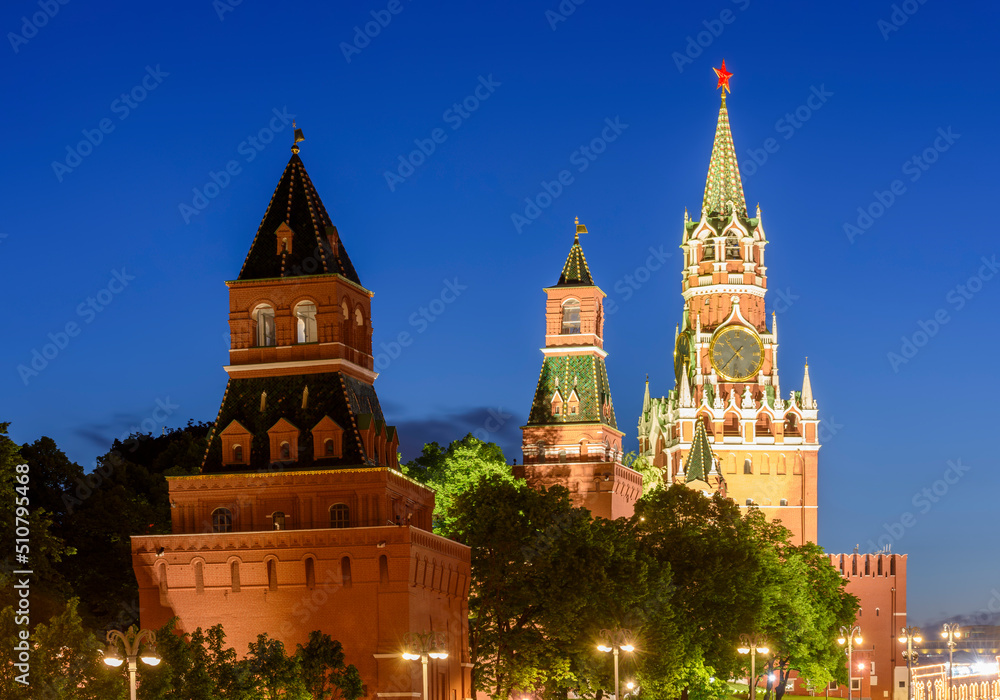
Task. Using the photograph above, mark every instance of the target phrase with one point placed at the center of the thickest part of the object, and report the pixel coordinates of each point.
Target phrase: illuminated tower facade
(572, 438)
(726, 361)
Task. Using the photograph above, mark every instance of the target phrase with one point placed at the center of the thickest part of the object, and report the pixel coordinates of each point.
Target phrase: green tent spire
(700, 458)
(724, 184)
(575, 272)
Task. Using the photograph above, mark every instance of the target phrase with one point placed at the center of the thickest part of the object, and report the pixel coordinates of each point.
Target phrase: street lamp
(131, 640)
(951, 632)
(613, 640)
(752, 644)
(907, 636)
(422, 646)
(851, 637)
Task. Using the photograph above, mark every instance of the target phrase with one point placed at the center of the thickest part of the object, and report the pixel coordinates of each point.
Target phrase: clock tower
(726, 362)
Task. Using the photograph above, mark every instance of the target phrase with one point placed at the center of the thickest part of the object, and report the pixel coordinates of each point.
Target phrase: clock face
(682, 353)
(737, 353)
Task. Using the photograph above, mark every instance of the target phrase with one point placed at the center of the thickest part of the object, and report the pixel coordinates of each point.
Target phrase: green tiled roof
(351, 403)
(723, 183)
(575, 272)
(585, 374)
(699, 459)
(296, 203)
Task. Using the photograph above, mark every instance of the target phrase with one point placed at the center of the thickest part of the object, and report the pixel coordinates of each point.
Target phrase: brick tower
(726, 362)
(571, 438)
(300, 519)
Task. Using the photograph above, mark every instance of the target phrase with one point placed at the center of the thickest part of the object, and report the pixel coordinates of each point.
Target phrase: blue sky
(170, 94)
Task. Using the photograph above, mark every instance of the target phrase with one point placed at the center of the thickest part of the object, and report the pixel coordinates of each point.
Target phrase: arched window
(763, 424)
(222, 520)
(345, 571)
(359, 319)
(305, 322)
(238, 454)
(540, 450)
(562, 455)
(272, 575)
(731, 425)
(263, 320)
(783, 502)
(747, 466)
(234, 576)
(286, 451)
(708, 251)
(199, 577)
(556, 404)
(278, 520)
(791, 425)
(733, 248)
(345, 310)
(340, 515)
(383, 569)
(310, 573)
(328, 447)
(571, 317)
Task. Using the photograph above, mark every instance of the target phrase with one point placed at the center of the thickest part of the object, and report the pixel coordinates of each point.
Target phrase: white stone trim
(335, 365)
(751, 289)
(574, 350)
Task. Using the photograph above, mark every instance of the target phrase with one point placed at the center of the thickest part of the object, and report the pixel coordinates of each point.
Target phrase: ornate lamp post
(131, 639)
(752, 644)
(907, 636)
(851, 637)
(424, 646)
(613, 640)
(951, 632)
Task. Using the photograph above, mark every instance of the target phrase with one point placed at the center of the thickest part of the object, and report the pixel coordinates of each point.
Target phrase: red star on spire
(724, 77)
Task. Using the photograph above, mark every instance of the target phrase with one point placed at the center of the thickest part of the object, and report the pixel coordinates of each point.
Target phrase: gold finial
(807, 360)
(298, 137)
(580, 228)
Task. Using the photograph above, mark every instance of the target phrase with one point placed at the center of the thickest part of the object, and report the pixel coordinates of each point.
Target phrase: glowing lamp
(841, 640)
(918, 639)
(763, 650)
(410, 657)
(601, 647)
(113, 659)
(627, 647)
(438, 655)
(744, 650)
(857, 640)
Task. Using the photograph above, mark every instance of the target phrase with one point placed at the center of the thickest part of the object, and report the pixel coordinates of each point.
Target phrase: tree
(546, 578)
(97, 513)
(323, 670)
(652, 477)
(452, 471)
(273, 674)
(721, 561)
(808, 607)
(65, 661)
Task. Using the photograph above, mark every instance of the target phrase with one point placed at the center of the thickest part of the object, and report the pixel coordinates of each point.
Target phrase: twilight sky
(890, 108)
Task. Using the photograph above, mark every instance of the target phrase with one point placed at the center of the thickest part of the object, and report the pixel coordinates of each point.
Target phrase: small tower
(572, 438)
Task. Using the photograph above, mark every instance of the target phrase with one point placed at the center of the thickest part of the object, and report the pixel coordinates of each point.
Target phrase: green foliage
(95, 514)
(452, 471)
(652, 477)
(325, 675)
(65, 661)
(546, 579)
